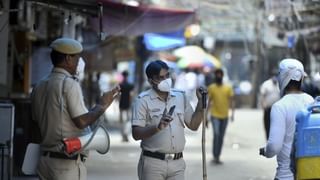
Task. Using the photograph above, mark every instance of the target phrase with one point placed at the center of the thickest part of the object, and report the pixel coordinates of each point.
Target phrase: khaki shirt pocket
(154, 118)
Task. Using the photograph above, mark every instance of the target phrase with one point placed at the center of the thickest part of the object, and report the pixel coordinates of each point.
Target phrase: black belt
(63, 156)
(163, 156)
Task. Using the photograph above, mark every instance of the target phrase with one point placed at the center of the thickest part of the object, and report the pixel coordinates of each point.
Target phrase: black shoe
(216, 161)
(125, 139)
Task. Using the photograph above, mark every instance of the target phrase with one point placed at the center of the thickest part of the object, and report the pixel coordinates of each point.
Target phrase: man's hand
(165, 120)
(108, 97)
(207, 123)
(232, 117)
(200, 91)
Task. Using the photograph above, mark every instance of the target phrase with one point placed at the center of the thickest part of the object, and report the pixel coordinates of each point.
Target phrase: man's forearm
(90, 117)
(96, 112)
(140, 133)
(197, 117)
(233, 103)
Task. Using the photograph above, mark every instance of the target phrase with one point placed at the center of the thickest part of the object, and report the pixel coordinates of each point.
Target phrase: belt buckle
(169, 156)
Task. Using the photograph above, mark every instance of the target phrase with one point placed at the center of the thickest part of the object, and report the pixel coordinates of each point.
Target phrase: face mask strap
(153, 83)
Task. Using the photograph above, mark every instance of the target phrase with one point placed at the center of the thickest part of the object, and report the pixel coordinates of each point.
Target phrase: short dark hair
(155, 67)
(293, 85)
(218, 71)
(125, 73)
(57, 57)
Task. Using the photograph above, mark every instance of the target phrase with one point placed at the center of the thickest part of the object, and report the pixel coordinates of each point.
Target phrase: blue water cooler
(307, 142)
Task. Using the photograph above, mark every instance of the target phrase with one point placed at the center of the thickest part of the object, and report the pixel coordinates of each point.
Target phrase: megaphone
(98, 140)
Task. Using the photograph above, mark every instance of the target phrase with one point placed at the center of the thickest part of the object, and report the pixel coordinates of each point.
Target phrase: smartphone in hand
(171, 110)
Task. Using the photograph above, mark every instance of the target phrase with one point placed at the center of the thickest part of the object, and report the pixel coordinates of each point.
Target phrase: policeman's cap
(66, 46)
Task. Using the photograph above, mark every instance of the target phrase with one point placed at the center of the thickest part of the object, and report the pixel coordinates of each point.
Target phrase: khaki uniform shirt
(147, 111)
(55, 101)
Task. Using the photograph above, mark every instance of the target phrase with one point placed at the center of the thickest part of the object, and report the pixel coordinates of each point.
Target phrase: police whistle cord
(204, 106)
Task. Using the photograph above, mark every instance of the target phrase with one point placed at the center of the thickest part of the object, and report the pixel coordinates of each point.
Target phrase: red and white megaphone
(98, 140)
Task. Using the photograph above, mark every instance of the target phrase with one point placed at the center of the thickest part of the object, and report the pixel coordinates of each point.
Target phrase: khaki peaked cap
(67, 46)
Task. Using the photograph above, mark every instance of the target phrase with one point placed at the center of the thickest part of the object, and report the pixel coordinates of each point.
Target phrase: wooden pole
(204, 106)
(204, 164)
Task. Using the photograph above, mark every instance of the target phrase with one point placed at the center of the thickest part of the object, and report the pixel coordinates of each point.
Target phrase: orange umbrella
(194, 56)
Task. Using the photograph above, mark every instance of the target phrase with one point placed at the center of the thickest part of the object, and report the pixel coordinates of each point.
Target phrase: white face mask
(165, 85)
(80, 69)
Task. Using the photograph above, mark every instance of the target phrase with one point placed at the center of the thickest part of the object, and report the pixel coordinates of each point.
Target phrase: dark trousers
(266, 120)
(219, 128)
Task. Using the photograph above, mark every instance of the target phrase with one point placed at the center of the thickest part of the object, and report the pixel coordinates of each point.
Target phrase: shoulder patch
(143, 94)
(70, 79)
(178, 90)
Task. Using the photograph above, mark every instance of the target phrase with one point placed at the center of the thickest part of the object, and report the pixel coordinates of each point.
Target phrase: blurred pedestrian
(160, 129)
(95, 90)
(283, 112)
(220, 101)
(269, 94)
(125, 104)
(191, 86)
(208, 75)
(180, 83)
(58, 108)
(310, 86)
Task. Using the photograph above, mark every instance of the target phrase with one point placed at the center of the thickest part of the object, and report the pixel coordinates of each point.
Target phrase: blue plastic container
(307, 142)
(308, 131)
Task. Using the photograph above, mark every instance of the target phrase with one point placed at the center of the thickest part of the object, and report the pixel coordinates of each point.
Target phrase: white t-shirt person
(282, 130)
(269, 92)
(283, 116)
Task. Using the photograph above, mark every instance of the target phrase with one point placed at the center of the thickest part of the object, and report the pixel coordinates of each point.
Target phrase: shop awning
(122, 19)
(164, 41)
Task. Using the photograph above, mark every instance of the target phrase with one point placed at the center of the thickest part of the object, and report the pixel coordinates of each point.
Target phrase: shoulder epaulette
(178, 90)
(143, 94)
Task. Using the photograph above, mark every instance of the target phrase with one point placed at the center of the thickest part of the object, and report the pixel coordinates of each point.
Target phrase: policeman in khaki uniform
(162, 134)
(59, 110)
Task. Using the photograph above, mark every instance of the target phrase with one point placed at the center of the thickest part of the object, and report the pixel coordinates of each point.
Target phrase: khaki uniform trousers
(61, 169)
(156, 169)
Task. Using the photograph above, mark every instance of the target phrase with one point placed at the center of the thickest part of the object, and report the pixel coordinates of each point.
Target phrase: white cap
(66, 46)
(289, 69)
